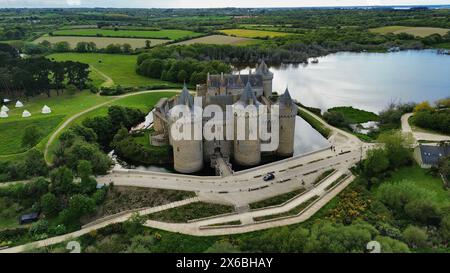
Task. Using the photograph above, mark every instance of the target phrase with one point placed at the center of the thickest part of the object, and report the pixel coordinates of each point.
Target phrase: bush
(415, 236)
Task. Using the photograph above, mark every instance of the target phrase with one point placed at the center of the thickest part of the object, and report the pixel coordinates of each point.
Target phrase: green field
(63, 106)
(171, 34)
(416, 31)
(120, 68)
(252, 33)
(100, 42)
(12, 132)
(220, 40)
(142, 101)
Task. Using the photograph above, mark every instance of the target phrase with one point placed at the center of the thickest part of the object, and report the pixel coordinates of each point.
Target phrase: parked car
(269, 176)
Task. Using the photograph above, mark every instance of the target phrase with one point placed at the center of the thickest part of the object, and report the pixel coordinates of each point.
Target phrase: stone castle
(224, 90)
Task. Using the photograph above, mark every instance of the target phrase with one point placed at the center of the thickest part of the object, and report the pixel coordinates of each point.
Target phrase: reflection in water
(307, 139)
(368, 81)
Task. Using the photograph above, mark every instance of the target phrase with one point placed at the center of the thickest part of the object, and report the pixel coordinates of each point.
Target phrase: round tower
(247, 149)
(287, 114)
(187, 153)
(267, 77)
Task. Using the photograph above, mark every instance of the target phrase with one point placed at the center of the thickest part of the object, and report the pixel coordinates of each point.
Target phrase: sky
(208, 3)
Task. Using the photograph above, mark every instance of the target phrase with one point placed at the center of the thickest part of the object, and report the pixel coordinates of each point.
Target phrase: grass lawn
(416, 31)
(120, 68)
(420, 178)
(190, 212)
(100, 42)
(253, 33)
(171, 34)
(220, 40)
(63, 106)
(354, 115)
(11, 132)
(144, 102)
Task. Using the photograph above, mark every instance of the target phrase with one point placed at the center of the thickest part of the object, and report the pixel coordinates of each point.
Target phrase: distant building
(428, 155)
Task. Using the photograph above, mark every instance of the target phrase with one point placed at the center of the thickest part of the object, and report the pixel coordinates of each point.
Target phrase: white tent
(26, 114)
(3, 114)
(46, 110)
(4, 108)
(6, 100)
(19, 104)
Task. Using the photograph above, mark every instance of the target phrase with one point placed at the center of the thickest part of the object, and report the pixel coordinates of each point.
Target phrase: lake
(368, 81)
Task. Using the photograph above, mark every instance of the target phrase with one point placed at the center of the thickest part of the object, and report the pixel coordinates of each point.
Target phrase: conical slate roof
(263, 68)
(286, 98)
(185, 98)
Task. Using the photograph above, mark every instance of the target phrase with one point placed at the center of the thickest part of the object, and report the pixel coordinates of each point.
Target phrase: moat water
(367, 81)
(307, 140)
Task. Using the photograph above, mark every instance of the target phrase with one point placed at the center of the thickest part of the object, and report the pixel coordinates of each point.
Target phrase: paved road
(238, 189)
(247, 218)
(419, 136)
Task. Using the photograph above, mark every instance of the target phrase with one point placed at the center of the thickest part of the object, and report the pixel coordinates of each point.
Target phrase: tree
(445, 228)
(223, 247)
(336, 119)
(376, 162)
(397, 148)
(415, 236)
(61, 46)
(79, 205)
(49, 204)
(35, 163)
(71, 89)
(84, 169)
(425, 211)
(148, 44)
(61, 181)
(423, 106)
(389, 245)
(126, 48)
(31, 136)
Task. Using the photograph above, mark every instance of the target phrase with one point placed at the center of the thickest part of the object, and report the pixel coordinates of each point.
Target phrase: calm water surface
(368, 81)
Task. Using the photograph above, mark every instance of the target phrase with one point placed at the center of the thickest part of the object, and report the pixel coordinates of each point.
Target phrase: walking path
(101, 224)
(420, 136)
(239, 188)
(56, 133)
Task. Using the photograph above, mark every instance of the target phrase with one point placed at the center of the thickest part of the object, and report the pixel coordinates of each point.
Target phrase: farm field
(252, 33)
(416, 31)
(101, 42)
(171, 34)
(220, 40)
(120, 68)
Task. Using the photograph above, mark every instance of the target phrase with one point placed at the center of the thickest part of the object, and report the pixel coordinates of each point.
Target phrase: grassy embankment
(317, 125)
(190, 212)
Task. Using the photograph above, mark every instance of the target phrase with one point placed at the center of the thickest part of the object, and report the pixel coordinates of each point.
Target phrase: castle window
(178, 149)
